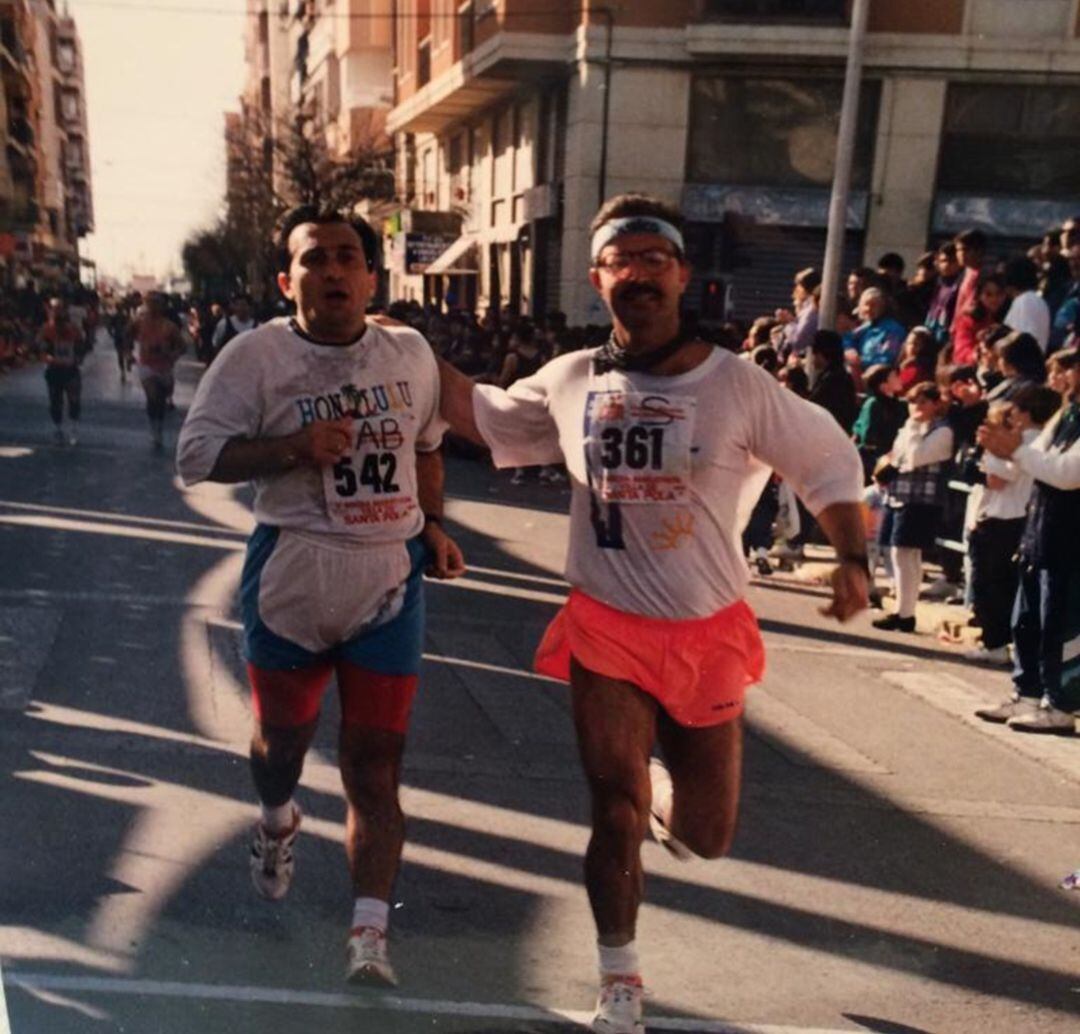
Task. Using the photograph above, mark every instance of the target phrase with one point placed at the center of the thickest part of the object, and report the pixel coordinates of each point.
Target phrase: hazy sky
(159, 75)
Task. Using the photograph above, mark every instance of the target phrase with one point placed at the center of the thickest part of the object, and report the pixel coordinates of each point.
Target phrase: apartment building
(46, 202)
(513, 118)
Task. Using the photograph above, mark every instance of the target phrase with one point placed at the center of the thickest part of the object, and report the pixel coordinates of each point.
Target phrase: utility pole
(845, 155)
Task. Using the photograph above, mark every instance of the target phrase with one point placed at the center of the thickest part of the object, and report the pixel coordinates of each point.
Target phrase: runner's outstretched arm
(455, 402)
(843, 524)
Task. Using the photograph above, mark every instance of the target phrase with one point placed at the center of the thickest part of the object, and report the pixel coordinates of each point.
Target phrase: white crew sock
(907, 564)
(279, 818)
(621, 961)
(371, 912)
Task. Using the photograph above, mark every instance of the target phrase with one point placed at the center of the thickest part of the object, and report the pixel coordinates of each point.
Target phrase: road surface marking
(5, 1026)
(122, 518)
(121, 531)
(559, 583)
(374, 1003)
(503, 590)
(497, 669)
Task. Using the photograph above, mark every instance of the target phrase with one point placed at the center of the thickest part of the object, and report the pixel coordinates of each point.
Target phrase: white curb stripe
(5, 1025)
(373, 1002)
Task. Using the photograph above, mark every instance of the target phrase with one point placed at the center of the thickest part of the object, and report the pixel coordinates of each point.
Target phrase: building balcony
(493, 68)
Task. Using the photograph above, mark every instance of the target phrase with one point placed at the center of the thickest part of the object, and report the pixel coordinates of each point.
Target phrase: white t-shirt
(665, 470)
(272, 381)
(1030, 314)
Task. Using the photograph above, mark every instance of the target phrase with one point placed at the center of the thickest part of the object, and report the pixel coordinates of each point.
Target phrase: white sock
(279, 818)
(371, 912)
(621, 961)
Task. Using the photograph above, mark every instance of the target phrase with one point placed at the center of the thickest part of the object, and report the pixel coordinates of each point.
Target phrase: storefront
(759, 174)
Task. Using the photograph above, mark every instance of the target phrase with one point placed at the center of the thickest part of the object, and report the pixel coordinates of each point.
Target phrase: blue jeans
(1042, 625)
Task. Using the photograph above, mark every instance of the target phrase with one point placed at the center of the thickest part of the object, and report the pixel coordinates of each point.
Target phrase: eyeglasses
(652, 261)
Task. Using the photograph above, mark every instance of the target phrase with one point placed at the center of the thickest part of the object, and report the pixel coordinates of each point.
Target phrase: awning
(460, 257)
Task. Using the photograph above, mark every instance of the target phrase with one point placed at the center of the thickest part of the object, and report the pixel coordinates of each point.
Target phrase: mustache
(632, 291)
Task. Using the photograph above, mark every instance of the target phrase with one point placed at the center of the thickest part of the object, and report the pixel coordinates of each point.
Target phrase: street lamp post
(845, 155)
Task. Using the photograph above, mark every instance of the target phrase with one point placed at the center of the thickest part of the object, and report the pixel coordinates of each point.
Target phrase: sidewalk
(957, 692)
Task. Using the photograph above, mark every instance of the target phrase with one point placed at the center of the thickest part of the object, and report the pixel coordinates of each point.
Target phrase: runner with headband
(668, 442)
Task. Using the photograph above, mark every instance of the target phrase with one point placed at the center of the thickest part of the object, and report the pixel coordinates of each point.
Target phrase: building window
(779, 10)
(775, 132)
(1017, 140)
(423, 62)
(465, 27)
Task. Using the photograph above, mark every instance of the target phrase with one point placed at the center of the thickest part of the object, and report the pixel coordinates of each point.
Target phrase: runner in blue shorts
(335, 420)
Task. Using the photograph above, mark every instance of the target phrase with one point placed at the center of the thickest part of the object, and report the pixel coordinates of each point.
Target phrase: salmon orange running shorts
(697, 669)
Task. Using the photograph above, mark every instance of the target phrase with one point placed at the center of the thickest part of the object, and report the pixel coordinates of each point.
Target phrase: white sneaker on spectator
(619, 1006)
(1015, 707)
(1046, 719)
(991, 655)
(939, 589)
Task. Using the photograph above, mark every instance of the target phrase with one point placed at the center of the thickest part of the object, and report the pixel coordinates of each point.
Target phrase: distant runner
(63, 348)
(158, 343)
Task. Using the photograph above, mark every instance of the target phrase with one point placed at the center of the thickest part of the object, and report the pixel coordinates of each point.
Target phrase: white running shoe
(272, 860)
(984, 655)
(73, 438)
(366, 961)
(663, 793)
(618, 1009)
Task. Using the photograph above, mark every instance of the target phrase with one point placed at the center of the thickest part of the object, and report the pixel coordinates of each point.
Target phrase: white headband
(634, 224)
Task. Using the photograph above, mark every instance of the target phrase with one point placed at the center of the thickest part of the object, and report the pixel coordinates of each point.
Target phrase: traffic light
(712, 299)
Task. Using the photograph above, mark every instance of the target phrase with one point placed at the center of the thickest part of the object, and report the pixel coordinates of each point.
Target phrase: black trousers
(64, 382)
(995, 576)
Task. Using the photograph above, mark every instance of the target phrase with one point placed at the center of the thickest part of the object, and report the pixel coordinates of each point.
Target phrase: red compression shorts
(369, 699)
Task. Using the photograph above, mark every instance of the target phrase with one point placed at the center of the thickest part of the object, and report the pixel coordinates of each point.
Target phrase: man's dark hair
(891, 262)
(829, 345)
(242, 296)
(876, 376)
(1021, 273)
(948, 249)
(973, 240)
(322, 217)
(1037, 400)
(808, 279)
(625, 206)
(1022, 352)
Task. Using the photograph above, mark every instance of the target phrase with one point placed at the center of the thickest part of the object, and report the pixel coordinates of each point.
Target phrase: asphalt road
(895, 871)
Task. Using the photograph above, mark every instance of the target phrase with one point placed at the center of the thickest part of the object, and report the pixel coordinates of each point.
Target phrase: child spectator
(881, 417)
(986, 312)
(999, 523)
(918, 357)
(920, 459)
